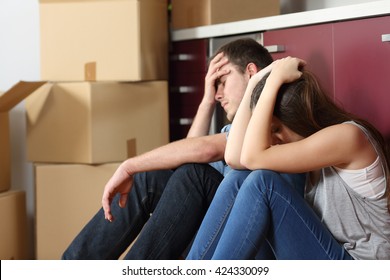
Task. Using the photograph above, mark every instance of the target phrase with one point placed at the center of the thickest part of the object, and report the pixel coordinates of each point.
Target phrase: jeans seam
(218, 228)
(303, 221)
(247, 232)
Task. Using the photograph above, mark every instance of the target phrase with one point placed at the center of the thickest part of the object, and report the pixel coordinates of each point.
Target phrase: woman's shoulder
(356, 143)
(347, 132)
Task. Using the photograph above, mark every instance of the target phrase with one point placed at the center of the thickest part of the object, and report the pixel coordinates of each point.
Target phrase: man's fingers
(123, 200)
(107, 209)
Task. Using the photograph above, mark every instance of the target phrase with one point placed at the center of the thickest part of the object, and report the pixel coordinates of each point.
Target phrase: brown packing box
(189, 13)
(67, 197)
(13, 224)
(5, 153)
(104, 40)
(131, 148)
(90, 122)
(9, 100)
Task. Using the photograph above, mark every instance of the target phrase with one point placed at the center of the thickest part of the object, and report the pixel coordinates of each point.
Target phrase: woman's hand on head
(287, 69)
(260, 74)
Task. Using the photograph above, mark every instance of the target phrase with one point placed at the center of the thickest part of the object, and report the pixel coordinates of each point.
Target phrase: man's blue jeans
(266, 212)
(178, 200)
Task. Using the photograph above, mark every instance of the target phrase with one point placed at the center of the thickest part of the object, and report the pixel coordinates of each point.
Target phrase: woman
(294, 127)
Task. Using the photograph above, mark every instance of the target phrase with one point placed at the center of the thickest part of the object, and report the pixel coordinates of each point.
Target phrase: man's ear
(252, 69)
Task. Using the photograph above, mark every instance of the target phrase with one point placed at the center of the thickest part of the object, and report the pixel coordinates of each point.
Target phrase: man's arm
(204, 114)
(197, 149)
(202, 120)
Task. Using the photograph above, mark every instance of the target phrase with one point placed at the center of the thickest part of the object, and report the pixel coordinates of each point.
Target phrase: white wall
(19, 60)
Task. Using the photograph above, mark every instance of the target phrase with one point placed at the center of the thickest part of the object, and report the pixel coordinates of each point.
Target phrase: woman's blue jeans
(265, 213)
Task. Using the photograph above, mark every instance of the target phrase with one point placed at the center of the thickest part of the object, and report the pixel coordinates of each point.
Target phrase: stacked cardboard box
(116, 40)
(110, 63)
(189, 13)
(104, 69)
(5, 156)
(13, 220)
(67, 195)
(13, 215)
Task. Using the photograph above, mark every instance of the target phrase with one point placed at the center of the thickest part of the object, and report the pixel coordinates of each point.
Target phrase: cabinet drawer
(185, 111)
(188, 57)
(186, 89)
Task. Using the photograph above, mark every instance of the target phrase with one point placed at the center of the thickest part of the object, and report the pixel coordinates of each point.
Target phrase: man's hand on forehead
(216, 70)
(222, 71)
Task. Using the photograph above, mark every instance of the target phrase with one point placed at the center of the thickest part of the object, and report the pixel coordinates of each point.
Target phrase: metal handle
(184, 89)
(183, 57)
(275, 48)
(185, 121)
(385, 37)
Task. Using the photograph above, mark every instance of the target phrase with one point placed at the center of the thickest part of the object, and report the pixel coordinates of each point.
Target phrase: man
(175, 182)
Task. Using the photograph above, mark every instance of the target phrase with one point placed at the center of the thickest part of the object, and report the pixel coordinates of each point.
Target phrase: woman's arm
(258, 134)
(240, 122)
(341, 145)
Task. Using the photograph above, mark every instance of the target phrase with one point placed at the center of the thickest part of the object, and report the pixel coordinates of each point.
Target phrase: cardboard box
(90, 122)
(104, 40)
(67, 197)
(5, 153)
(9, 100)
(5, 148)
(189, 13)
(13, 223)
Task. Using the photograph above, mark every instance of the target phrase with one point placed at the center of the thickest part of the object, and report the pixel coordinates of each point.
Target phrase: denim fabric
(102, 240)
(178, 200)
(221, 167)
(179, 213)
(214, 222)
(269, 209)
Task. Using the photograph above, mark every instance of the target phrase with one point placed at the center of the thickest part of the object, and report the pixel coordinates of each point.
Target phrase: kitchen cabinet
(187, 71)
(351, 58)
(362, 69)
(312, 43)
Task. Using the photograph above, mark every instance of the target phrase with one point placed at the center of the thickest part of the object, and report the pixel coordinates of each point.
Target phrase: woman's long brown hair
(305, 108)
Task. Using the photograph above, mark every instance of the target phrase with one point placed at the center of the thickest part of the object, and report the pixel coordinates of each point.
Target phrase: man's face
(230, 89)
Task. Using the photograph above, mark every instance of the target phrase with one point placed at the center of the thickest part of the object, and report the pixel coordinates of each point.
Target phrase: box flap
(17, 93)
(36, 102)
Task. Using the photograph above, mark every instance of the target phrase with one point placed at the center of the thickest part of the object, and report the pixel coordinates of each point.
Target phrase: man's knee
(202, 178)
(197, 171)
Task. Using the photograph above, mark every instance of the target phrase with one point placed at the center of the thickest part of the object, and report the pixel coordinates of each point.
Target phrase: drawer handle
(185, 121)
(183, 57)
(275, 48)
(184, 89)
(386, 38)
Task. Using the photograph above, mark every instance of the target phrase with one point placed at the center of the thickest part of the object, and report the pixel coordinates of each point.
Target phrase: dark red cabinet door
(311, 43)
(362, 69)
(188, 66)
